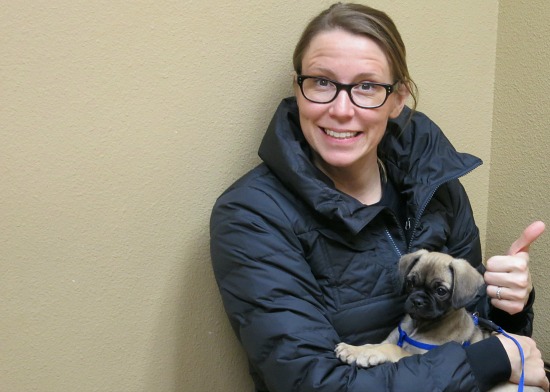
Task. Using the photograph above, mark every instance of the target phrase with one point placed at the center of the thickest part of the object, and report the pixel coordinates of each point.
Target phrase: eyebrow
(368, 76)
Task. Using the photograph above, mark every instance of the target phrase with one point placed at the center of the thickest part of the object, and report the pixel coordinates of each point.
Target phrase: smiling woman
(305, 247)
(343, 136)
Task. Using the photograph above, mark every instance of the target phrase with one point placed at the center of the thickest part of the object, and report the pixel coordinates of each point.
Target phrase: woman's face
(342, 135)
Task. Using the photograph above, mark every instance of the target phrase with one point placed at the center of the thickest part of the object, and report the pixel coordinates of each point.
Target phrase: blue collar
(403, 337)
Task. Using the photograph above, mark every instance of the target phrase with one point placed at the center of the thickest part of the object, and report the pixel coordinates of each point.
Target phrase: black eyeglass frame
(390, 88)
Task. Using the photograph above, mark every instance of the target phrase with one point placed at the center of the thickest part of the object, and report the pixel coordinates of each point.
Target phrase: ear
(400, 99)
(295, 85)
(406, 264)
(466, 283)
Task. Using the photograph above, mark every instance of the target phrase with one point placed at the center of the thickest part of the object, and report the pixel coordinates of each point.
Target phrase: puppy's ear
(466, 283)
(406, 264)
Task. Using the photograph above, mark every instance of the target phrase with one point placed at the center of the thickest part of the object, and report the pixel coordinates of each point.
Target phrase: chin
(430, 313)
(340, 159)
(338, 164)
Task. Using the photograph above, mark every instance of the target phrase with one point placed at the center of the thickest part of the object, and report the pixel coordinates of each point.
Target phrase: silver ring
(498, 293)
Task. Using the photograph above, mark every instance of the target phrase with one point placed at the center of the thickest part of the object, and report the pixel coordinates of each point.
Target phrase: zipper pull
(408, 224)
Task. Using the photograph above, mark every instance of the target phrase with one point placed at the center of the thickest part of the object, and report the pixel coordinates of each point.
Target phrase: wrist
(489, 362)
(513, 354)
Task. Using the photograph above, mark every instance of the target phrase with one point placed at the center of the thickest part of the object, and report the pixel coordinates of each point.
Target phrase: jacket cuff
(489, 362)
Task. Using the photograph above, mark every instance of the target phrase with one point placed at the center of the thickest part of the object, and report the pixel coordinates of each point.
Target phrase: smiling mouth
(340, 135)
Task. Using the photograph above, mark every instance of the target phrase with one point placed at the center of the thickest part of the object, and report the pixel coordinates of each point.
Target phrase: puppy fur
(438, 287)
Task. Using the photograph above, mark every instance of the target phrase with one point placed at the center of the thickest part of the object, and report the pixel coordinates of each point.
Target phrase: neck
(446, 326)
(360, 181)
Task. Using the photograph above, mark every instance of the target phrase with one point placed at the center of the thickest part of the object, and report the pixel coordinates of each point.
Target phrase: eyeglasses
(366, 95)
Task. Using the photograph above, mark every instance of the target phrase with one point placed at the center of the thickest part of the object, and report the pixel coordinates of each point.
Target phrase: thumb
(529, 235)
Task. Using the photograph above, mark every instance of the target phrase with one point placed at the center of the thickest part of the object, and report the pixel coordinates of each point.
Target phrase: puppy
(438, 288)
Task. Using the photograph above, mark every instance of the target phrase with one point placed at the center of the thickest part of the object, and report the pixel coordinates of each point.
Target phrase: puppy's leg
(370, 354)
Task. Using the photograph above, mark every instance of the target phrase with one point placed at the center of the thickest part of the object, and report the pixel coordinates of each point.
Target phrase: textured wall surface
(519, 180)
(122, 121)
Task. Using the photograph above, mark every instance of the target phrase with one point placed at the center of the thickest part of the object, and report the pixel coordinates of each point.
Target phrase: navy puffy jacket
(301, 266)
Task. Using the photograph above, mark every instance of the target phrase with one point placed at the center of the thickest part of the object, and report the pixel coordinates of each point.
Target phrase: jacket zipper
(395, 247)
(432, 193)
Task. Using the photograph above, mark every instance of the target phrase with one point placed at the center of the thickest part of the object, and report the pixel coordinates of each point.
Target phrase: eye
(320, 82)
(366, 87)
(368, 90)
(441, 291)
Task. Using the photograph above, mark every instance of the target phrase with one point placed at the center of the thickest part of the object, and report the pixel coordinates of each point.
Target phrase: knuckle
(490, 264)
(522, 266)
(522, 281)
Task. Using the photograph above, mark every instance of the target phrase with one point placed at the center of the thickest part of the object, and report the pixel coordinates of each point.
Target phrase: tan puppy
(438, 288)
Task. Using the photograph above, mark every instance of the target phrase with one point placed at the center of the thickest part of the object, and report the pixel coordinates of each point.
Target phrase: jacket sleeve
(465, 243)
(276, 309)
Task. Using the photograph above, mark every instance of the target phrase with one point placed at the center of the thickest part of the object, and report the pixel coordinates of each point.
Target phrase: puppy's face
(436, 283)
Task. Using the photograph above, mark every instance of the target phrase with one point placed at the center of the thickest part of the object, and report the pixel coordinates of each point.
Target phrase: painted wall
(122, 121)
(519, 179)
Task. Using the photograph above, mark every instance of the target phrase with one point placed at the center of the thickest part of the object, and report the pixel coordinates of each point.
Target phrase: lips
(339, 134)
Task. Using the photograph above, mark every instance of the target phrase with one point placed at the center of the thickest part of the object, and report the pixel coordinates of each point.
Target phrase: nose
(342, 105)
(419, 302)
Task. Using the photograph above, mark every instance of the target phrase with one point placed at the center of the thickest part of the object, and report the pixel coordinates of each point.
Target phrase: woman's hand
(508, 278)
(534, 365)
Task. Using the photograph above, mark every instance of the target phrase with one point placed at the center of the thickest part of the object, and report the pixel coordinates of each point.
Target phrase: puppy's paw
(365, 356)
(346, 353)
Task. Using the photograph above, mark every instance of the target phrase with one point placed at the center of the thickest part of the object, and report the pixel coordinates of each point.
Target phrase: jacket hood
(417, 155)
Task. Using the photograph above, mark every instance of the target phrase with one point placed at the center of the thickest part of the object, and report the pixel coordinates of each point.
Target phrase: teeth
(340, 135)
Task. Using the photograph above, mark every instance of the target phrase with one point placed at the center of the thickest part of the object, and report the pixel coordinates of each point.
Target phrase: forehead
(432, 270)
(345, 55)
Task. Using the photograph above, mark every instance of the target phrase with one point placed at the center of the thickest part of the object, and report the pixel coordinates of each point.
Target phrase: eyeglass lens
(323, 91)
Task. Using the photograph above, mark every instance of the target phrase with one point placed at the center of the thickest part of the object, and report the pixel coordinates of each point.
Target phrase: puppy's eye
(409, 284)
(441, 291)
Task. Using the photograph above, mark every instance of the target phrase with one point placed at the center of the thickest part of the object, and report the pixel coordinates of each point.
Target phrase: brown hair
(361, 20)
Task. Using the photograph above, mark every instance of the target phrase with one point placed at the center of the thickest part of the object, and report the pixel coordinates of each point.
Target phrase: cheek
(309, 112)
(443, 304)
(374, 118)
(375, 123)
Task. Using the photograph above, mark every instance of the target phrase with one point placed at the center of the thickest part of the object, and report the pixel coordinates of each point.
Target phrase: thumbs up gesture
(507, 277)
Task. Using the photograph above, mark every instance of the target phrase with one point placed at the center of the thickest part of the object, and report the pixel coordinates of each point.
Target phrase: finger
(504, 293)
(495, 292)
(510, 307)
(518, 264)
(529, 235)
(500, 264)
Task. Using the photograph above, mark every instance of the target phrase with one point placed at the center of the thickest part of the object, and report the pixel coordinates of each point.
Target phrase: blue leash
(403, 337)
(522, 378)
(492, 326)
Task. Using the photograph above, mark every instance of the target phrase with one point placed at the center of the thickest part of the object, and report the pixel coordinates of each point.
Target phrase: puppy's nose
(419, 302)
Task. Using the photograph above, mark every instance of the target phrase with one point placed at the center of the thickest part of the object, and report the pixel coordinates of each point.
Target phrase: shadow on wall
(203, 353)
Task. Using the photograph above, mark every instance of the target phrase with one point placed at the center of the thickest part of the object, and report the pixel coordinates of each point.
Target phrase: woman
(305, 246)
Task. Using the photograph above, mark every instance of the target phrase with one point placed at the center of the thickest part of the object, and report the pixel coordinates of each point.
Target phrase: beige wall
(121, 122)
(519, 180)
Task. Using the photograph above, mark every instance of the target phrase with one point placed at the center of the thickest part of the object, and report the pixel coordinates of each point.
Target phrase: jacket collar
(419, 157)
(417, 154)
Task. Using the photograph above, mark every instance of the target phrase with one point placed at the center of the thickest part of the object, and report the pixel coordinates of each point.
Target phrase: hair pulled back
(366, 21)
